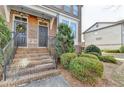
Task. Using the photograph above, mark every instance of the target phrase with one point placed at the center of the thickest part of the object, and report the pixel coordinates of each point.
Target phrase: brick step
(30, 54)
(31, 58)
(27, 61)
(28, 79)
(30, 64)
(32, 50)
(16, 73)
(26, 52)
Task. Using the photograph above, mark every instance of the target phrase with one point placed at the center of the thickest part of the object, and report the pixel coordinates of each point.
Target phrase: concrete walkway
(57, 81)
(114, 73)
(118, 56)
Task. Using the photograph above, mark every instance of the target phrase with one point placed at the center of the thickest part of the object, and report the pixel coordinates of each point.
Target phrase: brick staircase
(30, 64)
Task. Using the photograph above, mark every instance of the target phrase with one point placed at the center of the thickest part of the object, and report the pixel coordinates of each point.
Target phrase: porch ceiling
(31, 10)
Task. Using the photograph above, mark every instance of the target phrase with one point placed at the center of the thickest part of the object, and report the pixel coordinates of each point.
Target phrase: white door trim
(24, 22)
(38, 34)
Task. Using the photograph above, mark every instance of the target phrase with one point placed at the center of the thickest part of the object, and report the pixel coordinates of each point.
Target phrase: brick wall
(32, 31)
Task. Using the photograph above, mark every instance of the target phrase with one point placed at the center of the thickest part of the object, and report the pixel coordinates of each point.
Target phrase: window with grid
(75, 10)
(67, 8)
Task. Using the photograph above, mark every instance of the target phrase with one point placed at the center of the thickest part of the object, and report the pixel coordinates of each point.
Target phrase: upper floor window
(67, 8)
(75, 10)
(65, 22)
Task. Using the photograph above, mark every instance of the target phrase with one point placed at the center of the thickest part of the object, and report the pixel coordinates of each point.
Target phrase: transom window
(67, 8)
(75, 10)
(20, 19)
(42, 23)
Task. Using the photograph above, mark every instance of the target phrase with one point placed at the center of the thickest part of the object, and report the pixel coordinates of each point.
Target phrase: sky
(104, 13)
(92, 14)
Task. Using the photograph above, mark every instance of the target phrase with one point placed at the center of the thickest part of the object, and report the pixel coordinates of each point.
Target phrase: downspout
(121, 34)
(57, 21)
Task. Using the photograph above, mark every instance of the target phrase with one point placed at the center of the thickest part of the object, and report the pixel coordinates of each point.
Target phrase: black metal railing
(51, 48)
(8, 53)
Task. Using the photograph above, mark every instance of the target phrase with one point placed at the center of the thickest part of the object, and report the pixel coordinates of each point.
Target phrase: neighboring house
(41, 21)
(105, 35)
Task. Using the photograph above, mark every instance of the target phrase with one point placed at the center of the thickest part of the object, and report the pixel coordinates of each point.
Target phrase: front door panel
(43, 36)
(22, 36)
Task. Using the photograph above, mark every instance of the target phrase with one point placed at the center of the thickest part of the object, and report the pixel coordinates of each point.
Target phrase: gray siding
(107, 38)
(122, 33)
(100, 25)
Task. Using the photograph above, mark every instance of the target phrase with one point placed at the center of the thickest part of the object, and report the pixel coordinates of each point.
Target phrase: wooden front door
(43, 36)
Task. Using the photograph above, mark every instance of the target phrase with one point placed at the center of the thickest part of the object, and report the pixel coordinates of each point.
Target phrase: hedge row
(85, 67)
(120, 50)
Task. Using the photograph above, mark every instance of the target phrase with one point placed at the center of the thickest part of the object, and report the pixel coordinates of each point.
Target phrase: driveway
(56, 81)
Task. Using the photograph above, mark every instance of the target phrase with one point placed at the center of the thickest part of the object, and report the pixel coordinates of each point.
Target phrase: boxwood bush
(92, 48)
(121, 49)
(89, 56)
(109, 59)
(96, 54)
(66, 58)
(86, 69)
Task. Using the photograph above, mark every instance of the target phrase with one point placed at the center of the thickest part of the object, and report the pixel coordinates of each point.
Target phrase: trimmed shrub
(66, 58)
(121, 49)
(109, 59)
(64, 42)
(92, 48)
(89, 56)
(112, 51)
(96, 54)
(5, 34)
(86, 69)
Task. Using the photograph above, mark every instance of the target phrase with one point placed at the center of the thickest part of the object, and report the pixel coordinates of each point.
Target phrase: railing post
(3, 65)
(4, 72)
(7, 57)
